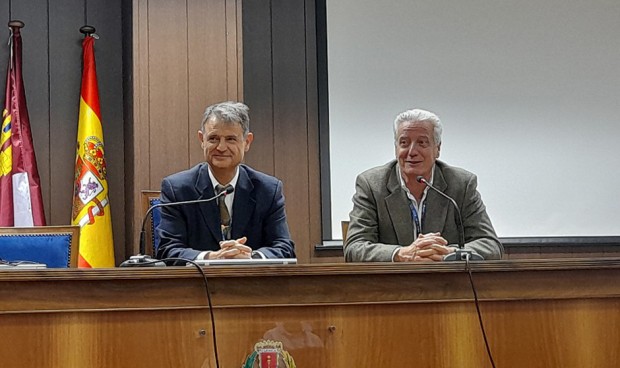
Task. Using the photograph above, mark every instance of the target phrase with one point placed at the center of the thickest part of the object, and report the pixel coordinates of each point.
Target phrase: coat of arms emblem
(269, 354)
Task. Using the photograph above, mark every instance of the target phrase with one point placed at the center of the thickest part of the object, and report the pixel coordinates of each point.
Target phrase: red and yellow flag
(21, 203)
(91, 205)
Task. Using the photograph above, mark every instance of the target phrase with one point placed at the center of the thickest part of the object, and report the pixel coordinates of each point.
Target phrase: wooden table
(537, 313)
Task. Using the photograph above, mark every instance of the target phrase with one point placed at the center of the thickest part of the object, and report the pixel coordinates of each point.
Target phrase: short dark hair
(228, 112)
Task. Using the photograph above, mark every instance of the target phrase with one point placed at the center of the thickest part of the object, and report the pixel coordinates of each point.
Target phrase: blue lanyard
(417, 221)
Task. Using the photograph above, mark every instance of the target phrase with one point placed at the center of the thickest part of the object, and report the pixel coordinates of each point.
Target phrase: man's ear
(438, 150)
(248, 141)
(201, 138)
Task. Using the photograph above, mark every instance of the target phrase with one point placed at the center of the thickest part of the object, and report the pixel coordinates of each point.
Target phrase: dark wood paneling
(314, 158)
(4, 48)
(258, 84)
(290, 115)
(323, 117)
(65, 54)
(280, 86)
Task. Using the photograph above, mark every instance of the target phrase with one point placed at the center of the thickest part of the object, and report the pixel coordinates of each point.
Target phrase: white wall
(528, 92)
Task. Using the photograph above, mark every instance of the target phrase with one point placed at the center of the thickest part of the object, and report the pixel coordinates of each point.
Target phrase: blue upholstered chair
(55, 246)
(151, 198)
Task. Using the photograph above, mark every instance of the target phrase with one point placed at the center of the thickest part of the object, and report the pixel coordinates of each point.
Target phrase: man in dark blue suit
(251, 221)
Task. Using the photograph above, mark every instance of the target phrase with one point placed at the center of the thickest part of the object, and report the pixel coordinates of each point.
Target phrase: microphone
(146, 261)
(461, 254)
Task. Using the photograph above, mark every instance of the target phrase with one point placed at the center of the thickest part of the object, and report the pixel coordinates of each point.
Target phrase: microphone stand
(142, 260)
(461, 254)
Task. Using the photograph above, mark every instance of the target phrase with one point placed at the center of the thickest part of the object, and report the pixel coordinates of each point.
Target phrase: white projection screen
(528, 93)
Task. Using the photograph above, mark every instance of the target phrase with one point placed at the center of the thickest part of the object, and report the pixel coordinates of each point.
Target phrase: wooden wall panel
(138, 145)
(207, 59)
(168, 88)
(234, 50)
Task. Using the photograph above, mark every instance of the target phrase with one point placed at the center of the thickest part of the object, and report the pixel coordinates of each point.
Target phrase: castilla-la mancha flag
(21, 203)
(91, 205)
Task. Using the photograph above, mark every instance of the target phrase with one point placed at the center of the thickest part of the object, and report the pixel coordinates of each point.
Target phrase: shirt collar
(402, 182)
(215, 183)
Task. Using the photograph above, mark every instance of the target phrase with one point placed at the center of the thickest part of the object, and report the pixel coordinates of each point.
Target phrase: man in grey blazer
(396, 218)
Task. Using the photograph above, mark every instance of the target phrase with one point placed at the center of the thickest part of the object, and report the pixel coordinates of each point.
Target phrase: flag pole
(91, 204)
(21, 201)
(13, 25)
(87, 30)
(16, 24)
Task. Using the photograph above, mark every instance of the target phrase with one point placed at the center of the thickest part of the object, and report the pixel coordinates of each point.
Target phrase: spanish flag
(21, 203)
(91, 205)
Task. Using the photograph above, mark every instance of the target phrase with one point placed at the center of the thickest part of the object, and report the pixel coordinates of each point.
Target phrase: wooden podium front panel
(105, 339)
(558, 333)
(573, 334)
(360, 316)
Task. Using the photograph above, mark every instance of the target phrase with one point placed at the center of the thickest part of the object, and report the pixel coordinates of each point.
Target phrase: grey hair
(228, 112)
(419, 116)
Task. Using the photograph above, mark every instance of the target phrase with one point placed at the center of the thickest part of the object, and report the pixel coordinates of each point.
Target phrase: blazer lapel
(244, 204)
(436, 205)
(208, 210)
(399, 211)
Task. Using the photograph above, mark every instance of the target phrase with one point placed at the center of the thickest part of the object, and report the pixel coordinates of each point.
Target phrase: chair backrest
(151, 240)
(55, 246)
(344, 225)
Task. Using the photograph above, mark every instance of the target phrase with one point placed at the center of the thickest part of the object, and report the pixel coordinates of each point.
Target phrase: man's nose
(221, 144)
(413, 149)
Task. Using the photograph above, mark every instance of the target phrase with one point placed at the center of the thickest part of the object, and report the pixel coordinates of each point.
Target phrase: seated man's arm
(362, 244)
(479, 233)
(276, 237)
(173, 228)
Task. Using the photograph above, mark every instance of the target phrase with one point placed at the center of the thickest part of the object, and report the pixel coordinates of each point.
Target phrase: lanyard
(417, 220)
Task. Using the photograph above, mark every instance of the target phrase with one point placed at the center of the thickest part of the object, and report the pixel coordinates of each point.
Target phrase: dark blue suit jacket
(258, 213)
